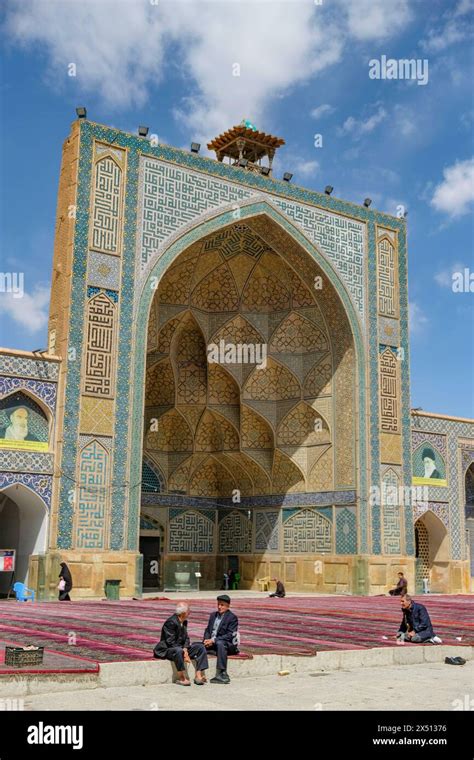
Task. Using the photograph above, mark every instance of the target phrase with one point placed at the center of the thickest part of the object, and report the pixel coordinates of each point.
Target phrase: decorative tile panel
(266, 531)
(190, 533)
(39, 484)
(307, 532)
(22, 366)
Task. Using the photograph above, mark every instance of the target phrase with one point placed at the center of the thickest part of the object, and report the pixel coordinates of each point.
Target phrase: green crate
(112, 589)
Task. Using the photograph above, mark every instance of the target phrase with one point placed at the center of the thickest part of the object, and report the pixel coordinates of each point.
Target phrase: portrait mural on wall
(23, 424)
(428, 466)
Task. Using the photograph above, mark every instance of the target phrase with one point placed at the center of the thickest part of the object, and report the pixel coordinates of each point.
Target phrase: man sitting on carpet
(280, 589)
(401, 587)
(416, 624)
(222, 636)
(174, 645)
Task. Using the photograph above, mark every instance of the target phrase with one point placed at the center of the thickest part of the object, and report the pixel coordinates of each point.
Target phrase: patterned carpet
(128, 630)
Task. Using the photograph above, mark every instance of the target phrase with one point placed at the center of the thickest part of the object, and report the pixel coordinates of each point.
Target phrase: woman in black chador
(65, 575)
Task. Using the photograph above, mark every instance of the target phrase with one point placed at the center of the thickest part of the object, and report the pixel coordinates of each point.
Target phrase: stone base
(324, 574)
(89, 572)
(329, 574)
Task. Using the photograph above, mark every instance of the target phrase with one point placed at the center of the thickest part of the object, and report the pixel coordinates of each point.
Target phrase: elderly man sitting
(416, 624)
(174, 645)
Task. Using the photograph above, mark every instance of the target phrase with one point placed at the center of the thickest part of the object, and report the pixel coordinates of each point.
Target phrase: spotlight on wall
(266, 170)
(287, 176)
(195, 147)
(81, 112)
(243, 162)
(367, 202)
(142, 131)
(328, 189)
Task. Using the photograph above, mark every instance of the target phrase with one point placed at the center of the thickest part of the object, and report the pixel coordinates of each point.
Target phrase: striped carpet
(128, 630)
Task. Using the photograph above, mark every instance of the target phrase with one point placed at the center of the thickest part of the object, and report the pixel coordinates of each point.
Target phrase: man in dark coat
(65, 575)
(401, 587)
(280, 589)
(222, 636)
(174, 645)
(416, 624)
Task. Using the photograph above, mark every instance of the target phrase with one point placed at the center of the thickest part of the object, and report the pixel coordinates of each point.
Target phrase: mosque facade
(226, 385)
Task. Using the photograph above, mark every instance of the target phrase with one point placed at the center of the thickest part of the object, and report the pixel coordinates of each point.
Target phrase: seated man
(174, 645)
(416, 624)
(280, 589)
(221, 636)
(401, 587)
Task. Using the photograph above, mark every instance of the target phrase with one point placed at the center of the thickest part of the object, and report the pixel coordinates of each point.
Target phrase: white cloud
(444, 278)
(418, 319)
(455, 28)
(359, 127)
(30, 311)
(303, 168)
(404, 120)
(117, 47)
(123, 49)
(320, 111)
(376, 19)
(455, 193)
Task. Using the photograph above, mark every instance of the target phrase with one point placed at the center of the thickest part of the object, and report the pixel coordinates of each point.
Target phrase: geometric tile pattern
(103, 271)
(100, 340)
(179, 164)
(438, 508)
(341, 239)
(418, 437)
(307, 532)
(391, 513)
(92, 497)
(389, 394)
(39, 484)
(96, 415)
(191, 532)
(46, 391)
(266, 531)
(389, 331)
(22, 366)
(452, 430)
(26, 461)
(235, 534)
(386, 278)
(171, 196)
(346, 531)
(152, 480)
(106, 206)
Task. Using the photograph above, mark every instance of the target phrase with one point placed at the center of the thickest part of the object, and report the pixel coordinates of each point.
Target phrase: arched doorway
(294, 425)
(469, 511)
(432, 554)
(23, 527)
(151, 547)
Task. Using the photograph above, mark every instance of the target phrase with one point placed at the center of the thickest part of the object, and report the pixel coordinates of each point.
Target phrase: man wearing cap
(222, 636)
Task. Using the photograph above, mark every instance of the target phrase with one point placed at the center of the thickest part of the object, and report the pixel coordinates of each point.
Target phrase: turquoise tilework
(346, 531)
(127, 475)
(453, 430)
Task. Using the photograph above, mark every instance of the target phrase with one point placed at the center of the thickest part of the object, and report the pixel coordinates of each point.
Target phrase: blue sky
(304, 69)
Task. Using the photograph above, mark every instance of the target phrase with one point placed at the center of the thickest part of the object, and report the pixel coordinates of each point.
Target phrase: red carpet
(128, 630)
